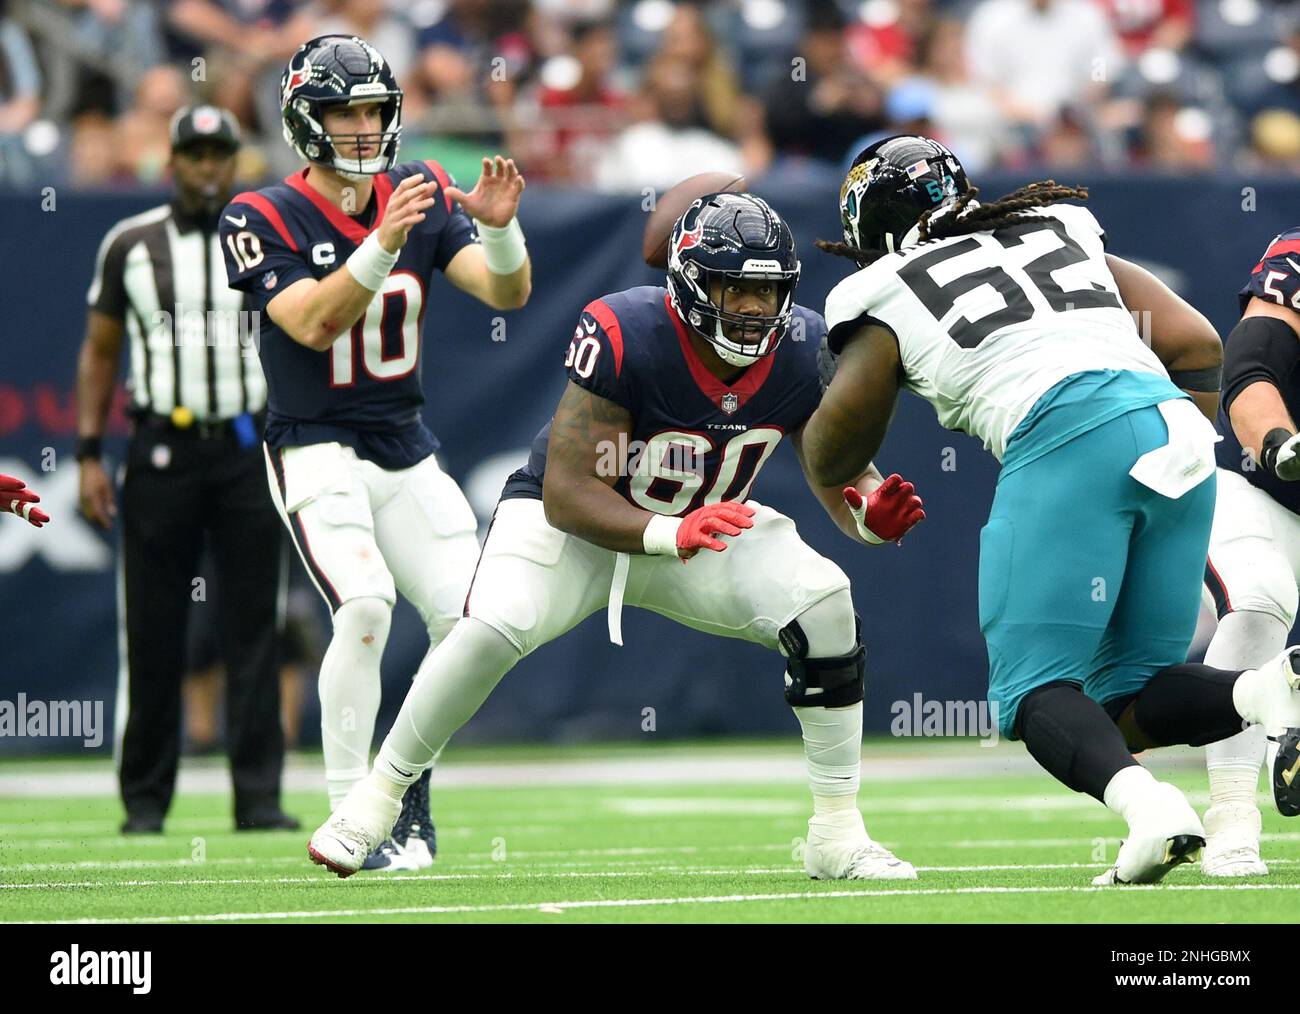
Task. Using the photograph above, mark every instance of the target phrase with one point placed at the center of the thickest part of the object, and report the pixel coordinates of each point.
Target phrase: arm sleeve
(595, 357)
(107, 292)
(262, 258)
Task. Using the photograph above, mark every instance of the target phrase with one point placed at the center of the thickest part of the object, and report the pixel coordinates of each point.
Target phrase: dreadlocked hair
(998, 214)
(960, 219)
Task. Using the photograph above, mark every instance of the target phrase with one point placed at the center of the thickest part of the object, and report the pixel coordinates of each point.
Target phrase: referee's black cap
(196, 124)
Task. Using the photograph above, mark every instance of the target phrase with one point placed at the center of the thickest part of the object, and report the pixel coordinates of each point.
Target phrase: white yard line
(559, 907)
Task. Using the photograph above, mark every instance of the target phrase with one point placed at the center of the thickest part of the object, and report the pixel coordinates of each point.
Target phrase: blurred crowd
(623, 96)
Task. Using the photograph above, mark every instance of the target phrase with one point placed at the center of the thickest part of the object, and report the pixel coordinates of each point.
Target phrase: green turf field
(677, 832)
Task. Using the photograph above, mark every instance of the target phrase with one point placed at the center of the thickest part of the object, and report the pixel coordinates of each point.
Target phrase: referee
(194, 469)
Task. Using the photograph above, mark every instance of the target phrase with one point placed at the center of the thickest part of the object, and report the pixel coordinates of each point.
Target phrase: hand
(16, 498)
(495, 197)
(889, 513)
(699, 526)
(97, 494)
(1281, 454)
(404, 209)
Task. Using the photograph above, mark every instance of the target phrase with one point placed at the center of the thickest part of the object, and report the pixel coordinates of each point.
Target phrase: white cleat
(1232, 842)
(358, 824)
(1276, 693)
(417, 850)
(1168, 834)
(842, 850)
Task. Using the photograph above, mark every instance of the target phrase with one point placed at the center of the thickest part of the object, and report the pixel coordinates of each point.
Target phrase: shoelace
(873, 850)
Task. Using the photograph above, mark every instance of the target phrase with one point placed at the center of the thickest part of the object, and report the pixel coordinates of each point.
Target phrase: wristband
(504, 247)
(660, 535)
(1270, 445)
(89, 447)
(370, 263)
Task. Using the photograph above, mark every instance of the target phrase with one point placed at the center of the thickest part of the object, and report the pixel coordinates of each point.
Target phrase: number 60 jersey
(694, 440)
(988, 323)
(365, 391)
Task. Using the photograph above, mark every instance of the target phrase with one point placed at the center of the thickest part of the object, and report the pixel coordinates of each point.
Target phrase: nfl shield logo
(729, 403)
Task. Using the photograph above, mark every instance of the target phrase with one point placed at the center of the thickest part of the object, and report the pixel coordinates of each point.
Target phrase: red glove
(699, 526)
(16, 498)
(889, 513)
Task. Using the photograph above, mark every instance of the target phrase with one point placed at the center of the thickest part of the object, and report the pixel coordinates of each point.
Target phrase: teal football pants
(1087, 575)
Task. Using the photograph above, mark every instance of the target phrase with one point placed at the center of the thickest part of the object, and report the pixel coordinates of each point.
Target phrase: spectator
(1151, 24)
(1175, 138)
(476, 53)
(142, 145)
(826, 103)
(20, 102)
(886, 43)
(579, 106)
(1039, 55)
(669, 144)
(689, 38)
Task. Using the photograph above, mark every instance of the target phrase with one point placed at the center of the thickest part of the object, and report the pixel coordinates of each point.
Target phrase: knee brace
(822, 682)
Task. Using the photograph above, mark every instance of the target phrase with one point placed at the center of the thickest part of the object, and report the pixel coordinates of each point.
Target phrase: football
(673, 203)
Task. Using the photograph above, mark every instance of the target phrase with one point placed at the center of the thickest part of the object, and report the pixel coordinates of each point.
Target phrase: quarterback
(1013, 322)
(339, 258)
(702, 376)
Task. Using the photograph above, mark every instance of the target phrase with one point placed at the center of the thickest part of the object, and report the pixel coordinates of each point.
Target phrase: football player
(1013, 322)
(702, 379)
(339, 259)
(1254, 561)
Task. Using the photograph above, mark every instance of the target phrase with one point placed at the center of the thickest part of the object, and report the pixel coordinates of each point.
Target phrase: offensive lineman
(340, 257)
(699, 373)
(1254, 561)
(1012, 321)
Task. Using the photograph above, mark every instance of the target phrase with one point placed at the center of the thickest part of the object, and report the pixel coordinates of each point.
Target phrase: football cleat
(389, 857)
(356, 828)
(1286, 773)
(842, 850)
(414, 832)
(1167, 835)
(1232, 842)
(1274, 688)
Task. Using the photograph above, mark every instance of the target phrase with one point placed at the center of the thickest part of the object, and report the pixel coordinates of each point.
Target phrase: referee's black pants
(179, 486)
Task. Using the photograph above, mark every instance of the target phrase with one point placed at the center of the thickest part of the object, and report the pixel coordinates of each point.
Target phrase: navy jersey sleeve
(809, 329)
(595, 358)
(1276, 277)
(459, 230)
(262, 257)
(107, 292)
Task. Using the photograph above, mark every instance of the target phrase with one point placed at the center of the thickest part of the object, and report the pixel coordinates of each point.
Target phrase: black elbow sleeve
(1259, 348)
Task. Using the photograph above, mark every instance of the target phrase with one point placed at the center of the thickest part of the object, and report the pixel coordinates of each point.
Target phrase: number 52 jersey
(695, 440)
(365, 391)
(988, 323)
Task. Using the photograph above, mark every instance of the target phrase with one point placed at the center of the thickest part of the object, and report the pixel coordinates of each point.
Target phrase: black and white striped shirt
(192, 340)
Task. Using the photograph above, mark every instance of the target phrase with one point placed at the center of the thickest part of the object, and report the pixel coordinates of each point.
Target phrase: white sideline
(548, 907)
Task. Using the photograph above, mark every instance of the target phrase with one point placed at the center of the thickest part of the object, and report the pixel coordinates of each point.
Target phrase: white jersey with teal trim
(988, 323)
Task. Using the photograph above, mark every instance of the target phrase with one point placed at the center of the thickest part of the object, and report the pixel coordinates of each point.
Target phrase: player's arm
(497, 271)
(97, 366)
(579, 498)
(315, 312)
(871, 509)
(1263, 350)
(1184, 341)
(843, 435)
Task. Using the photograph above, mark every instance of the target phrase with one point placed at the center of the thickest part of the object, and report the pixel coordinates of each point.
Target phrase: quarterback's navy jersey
(365, 390)
(1276, 279)
(694, 440)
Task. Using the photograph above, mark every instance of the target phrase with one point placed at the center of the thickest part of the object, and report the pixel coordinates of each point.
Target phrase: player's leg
(326, 507)
(771, 588)
(426, 531)
(532, 584)
(1253, 584)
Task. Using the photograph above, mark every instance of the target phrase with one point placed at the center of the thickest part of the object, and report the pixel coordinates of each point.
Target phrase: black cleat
(414, 830)
(142, 825)
(1286, 774)
(389, 857)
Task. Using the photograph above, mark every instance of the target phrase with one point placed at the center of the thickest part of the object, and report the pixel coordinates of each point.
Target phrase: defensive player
(703, 377)
(340, 257)
(1254, 561)
(1012, 321)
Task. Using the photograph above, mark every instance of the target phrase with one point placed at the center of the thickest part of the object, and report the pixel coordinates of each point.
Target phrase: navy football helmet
(335, 70)
(728, 237)
(891, 184)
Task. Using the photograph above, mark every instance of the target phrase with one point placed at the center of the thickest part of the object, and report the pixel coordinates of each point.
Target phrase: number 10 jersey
(988, 323)
(365, 391)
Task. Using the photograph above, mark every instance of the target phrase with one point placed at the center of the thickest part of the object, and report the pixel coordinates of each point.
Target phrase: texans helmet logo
(297, 78)
(689, 239)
